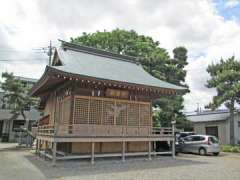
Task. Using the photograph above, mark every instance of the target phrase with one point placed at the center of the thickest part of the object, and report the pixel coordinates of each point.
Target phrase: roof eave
(73, 75)
(40, 82)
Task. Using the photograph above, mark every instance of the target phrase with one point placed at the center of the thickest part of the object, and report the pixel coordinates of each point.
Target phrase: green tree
(16, 95)
(173, 105)
(225, 77)
(154, 59)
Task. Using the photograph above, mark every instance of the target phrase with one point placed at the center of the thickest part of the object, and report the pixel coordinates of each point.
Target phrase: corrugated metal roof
(222, 116)
(33, 114)
(108, 68)
(26, 79)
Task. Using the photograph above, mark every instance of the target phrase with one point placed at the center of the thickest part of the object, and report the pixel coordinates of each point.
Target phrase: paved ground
(22, 164)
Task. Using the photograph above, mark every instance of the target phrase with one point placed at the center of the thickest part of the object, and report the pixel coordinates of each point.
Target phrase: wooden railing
(87, 130)
(47, 130)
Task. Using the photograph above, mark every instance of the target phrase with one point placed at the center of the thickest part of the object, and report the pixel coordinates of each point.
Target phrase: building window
(27, 107)
(239, 124)
(18, 124)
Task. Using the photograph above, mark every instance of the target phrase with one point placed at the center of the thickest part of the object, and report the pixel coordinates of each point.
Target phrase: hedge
(229, 148)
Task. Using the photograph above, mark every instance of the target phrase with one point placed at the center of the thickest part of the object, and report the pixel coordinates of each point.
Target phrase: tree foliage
(225, 77)
(16, 94)
(154, 59)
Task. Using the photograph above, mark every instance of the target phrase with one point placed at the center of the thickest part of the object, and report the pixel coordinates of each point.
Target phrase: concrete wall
(223, 129)
(237, 128)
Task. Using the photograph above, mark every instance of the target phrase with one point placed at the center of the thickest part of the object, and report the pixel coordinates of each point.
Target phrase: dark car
(179, 136)
(165, 146)
(182, 135)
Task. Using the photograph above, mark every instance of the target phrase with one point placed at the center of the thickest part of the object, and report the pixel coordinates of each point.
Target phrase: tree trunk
(232, 140)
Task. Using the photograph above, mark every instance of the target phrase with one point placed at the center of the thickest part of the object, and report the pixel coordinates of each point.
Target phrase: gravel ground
(22, 164)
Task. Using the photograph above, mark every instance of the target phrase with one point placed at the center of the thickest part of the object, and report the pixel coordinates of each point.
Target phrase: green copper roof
(91, 62)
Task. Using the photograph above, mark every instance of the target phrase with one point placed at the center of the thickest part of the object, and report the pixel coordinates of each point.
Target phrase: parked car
(200, 144)
(162, 146)
(179, 138)
(165, 146)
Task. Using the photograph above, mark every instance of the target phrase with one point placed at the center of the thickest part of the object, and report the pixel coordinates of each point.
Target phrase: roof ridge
(96, 51)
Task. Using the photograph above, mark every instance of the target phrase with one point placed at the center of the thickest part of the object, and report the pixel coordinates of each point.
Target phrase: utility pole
(198, 110)
(50, 48)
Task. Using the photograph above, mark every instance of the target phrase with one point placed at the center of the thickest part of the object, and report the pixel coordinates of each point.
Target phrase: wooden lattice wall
(63, 110)
(107, 111)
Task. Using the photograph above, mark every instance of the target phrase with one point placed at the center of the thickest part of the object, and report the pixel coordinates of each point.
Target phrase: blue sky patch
(228, 9)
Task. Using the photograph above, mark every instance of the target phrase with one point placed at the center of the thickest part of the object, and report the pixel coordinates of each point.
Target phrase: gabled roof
(89, 62)
(97, 63)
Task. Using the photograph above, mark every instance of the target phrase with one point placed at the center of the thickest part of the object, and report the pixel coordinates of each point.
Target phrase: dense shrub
(229, 148)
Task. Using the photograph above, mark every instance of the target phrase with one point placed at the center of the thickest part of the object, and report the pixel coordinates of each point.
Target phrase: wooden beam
(68, 157)
(69, 138)
(112, 99)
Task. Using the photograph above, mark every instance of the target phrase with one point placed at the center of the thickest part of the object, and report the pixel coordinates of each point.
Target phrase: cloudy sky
(209, 29)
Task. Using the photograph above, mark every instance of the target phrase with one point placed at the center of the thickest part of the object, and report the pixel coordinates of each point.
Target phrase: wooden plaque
(114, 93)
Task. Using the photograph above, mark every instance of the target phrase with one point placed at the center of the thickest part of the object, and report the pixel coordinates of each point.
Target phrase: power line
(11, 60)
(48, 50)
(18, 51)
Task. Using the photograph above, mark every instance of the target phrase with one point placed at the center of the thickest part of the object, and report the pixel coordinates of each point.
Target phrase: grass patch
(229, 148)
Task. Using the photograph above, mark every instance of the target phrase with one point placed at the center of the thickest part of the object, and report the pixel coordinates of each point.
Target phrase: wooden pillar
(154, 146)
(54, 151)
(45, 149)
(92, 153)
(173, 139)
(36, 148)
(45, 145)
(39, 147)
(149, 150)
(123, 151)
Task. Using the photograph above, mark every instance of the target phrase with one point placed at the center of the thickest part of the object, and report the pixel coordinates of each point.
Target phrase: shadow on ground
(109, 165)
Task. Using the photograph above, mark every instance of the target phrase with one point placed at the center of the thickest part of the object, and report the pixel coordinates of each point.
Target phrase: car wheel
(216, 154)
(202, 152)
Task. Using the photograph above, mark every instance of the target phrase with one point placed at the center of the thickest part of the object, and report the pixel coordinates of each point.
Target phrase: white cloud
(195, 24)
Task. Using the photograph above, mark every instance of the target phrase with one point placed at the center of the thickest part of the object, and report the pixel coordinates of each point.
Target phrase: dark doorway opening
(212, 130)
